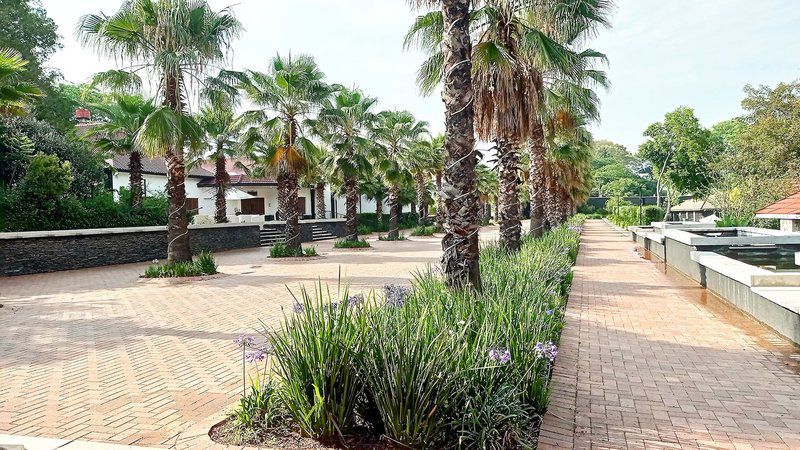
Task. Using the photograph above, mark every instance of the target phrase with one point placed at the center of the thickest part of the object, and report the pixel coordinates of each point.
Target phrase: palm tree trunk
(394, 211)
(439, 200)
(420, 178)
(135, 180)
(551, 203)
(496, 209)
(292, 215)
(283, 210)
(536, 180)
(178, 248)
(460, 243)
(319, 194)
(351, 198)
(223, 179)
(510, 226)
(379, 209)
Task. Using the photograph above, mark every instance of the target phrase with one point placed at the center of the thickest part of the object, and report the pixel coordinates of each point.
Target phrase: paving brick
(698, 373)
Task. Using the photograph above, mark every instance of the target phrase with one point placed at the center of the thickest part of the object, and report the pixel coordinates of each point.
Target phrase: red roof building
(787, 210)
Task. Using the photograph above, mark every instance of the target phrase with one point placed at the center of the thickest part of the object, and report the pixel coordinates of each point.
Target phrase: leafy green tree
(88, 165)
(175, 41)
(28, 30)
(16, 150)
(681, 151)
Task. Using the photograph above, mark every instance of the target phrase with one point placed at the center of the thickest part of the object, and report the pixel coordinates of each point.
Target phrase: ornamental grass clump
(318, 358)
(203, 264)
(344, 243)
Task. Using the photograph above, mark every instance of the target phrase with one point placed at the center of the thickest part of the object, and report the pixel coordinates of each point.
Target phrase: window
(192, 204)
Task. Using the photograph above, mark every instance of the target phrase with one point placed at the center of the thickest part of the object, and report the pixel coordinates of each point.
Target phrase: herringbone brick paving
(649, 360)
(99, 355)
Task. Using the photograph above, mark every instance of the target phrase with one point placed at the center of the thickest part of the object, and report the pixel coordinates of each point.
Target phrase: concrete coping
(119, 230)
(745, 273)
(647, 233)
(788, 297)
(678, 225)
(752, 236)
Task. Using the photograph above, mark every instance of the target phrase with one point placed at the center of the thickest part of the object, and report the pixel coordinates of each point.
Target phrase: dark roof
(237, 174)
(156, 166)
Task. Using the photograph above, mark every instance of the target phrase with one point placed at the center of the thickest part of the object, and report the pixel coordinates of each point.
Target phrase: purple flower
(549, 312)
(244, 341)
(575, 228)
(298, 308)
(503, 356)
(355, 300)
(396, 294)
(256, 355)
(545, 350)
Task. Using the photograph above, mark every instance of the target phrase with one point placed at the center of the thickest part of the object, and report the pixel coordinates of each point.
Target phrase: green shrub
(310, 251)
(364, 230)
(368, 222)
(203, 265)
(734, 221)
(343, 243)
(261, 407)
(428, 230)
(399, 237)
(281, 250)
(652, 213)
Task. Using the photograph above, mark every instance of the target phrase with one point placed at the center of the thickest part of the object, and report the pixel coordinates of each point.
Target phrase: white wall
(156, 184)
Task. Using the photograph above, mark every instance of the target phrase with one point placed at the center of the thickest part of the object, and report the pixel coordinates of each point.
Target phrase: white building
(246, 196)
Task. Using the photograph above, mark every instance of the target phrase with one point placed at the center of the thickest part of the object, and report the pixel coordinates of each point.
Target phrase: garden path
(648, 359)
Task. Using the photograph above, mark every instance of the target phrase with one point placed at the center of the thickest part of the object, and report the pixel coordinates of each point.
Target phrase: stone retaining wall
(51, 251)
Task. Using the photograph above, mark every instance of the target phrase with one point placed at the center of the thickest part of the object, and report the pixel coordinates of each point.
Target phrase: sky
(662, 54)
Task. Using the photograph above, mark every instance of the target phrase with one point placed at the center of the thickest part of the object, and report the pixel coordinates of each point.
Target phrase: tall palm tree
(119, 134)
(218, 122)
(174, 41)
(427, 157)
(314, 175)
(286, 96)
(374, 188)
(460, 243)
(15, 94)
(343, 123)
(396, 131)
(488, 187)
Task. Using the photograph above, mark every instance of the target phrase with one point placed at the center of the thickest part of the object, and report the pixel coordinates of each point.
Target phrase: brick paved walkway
(648, 360)
(99, 355)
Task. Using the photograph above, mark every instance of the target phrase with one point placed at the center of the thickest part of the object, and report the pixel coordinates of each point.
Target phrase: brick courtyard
(99, 355)
(649, 360)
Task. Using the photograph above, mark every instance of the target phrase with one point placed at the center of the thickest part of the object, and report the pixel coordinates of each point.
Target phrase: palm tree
(426, 156)
(14, 93)
(175, 41)
(119, 134)
(396, 131)
(488, 186)
(343, 123)
(218, 122)
(315, 175)
(374, 188)
(460, 243)
(286, 96)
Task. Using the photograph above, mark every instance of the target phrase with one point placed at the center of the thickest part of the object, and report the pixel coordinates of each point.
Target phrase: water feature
(774, 258)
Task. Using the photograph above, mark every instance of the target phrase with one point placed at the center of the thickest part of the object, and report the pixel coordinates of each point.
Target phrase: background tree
(118, 134)
(286, 96)
(344, 123)
(15, 94)
(175, 40)
(682, 152)
(396, 131)
(218, 122)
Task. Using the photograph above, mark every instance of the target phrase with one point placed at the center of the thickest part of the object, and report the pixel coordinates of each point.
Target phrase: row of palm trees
(513, 72)
(301, 129)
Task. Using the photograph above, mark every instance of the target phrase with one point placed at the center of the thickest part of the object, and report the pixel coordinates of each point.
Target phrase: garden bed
(413, 367)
